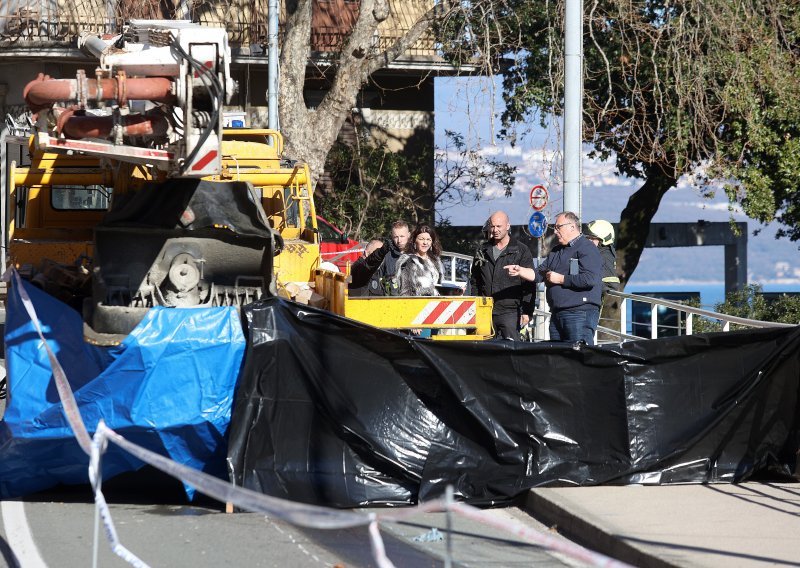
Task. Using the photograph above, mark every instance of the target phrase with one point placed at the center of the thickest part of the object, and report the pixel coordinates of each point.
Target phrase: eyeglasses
(558, 227)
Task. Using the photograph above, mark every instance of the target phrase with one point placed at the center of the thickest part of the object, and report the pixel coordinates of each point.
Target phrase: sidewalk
(752, 524)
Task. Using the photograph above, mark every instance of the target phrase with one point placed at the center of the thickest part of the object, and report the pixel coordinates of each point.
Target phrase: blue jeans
(574, 325)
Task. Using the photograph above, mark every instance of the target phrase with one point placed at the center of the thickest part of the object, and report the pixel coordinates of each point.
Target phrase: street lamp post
(573, 107)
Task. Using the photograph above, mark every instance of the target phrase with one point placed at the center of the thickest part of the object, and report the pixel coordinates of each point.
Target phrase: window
(457, 267)
(327, 233)
(80, 197)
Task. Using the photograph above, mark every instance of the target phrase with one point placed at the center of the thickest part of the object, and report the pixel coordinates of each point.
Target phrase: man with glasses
(513, 298)
(572, 274)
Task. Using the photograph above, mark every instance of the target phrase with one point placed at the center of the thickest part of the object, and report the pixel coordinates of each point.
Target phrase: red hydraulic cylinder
(43, 91)
(78, 127)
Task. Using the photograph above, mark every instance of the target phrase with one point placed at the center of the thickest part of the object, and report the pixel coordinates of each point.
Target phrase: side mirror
(344, 239)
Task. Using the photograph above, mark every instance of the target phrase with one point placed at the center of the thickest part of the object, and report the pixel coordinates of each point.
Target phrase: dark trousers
(506, 325)
(573, 325)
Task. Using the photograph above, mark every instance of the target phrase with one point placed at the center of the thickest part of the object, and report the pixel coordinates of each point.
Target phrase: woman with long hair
(419, 269)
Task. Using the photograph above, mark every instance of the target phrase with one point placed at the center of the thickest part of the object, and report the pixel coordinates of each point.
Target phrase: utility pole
(272, 65)
(573, 105)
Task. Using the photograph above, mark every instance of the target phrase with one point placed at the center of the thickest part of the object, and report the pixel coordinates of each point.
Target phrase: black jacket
(362, 270)
(610, 278)
(387, 269)
(489, 278)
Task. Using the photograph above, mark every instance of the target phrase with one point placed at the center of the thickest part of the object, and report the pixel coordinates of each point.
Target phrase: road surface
(56, 528)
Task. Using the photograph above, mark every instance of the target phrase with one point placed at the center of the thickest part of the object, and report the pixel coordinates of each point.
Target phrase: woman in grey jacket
(419, 269)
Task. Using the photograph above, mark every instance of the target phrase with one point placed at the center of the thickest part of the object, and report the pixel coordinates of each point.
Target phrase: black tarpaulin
(332, 412)
(192, 205)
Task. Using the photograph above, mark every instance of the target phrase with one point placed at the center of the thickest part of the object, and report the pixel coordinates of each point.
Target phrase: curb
(560, 514)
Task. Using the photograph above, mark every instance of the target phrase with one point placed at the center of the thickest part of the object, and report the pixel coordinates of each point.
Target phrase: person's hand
(524, 319)
(513, 269)
(554, 278)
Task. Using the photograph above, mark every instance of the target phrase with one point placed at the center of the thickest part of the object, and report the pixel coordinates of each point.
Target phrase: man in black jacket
(362, 270)
(383, 281)
(513, 297)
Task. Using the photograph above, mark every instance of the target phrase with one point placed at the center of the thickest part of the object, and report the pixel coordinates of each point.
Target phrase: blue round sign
(537, 224)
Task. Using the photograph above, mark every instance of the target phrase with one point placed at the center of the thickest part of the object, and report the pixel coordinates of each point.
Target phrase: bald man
(513, 296)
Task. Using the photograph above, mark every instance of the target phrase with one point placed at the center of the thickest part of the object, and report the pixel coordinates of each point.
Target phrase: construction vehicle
(126, 191)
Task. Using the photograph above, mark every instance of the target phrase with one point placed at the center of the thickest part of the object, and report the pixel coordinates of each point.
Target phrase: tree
(310, 133)
(463, 174)
(372, 186)
(673, 87)
(750, 303)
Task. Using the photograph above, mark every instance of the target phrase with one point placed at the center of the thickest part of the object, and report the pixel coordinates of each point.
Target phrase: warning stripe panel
(429, 307)
(437, 311)
(447, 315)
(463, 310)
(446, 312)
(205, 160)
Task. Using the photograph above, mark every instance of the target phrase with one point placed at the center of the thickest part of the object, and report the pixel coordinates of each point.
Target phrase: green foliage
(750, 303)
(371, 188)
(670, 87)
(464, 240)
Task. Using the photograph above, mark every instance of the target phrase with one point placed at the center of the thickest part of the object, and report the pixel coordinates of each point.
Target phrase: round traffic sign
(539, 197)
(537, 224)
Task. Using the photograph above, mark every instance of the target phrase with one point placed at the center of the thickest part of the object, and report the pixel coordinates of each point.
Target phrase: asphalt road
(163, 530)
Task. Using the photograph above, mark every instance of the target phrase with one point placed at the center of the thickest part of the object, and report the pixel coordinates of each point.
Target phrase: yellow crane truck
(126, 191)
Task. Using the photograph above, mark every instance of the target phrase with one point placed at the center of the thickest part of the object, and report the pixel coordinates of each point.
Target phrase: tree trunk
(310, 134)
(632, 232)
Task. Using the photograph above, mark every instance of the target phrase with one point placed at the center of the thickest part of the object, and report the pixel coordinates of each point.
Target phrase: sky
(471, 106)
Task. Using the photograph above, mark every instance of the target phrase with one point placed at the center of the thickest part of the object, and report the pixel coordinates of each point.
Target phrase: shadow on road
(148, 486)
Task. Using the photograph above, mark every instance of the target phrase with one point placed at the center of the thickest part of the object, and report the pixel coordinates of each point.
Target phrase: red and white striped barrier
(454, 312)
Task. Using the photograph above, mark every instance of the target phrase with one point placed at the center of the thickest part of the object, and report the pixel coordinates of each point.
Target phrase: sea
(711, 293)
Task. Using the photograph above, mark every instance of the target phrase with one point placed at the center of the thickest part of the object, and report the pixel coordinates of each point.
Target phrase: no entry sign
(539, 197)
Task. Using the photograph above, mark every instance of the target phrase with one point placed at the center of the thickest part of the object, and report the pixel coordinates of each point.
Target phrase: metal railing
(26, 24)
(685, 319)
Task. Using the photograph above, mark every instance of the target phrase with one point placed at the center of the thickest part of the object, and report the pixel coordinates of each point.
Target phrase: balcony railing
(58, 23)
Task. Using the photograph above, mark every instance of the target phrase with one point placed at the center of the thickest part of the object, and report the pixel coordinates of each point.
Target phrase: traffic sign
(539, 197)
(537, 224)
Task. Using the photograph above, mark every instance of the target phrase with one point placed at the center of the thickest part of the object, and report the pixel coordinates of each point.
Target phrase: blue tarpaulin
(167, 387)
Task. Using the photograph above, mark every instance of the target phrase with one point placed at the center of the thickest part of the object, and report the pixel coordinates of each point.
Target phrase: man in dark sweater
(383, 281)
(572, 273)
(513, 297)
(362, 270)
